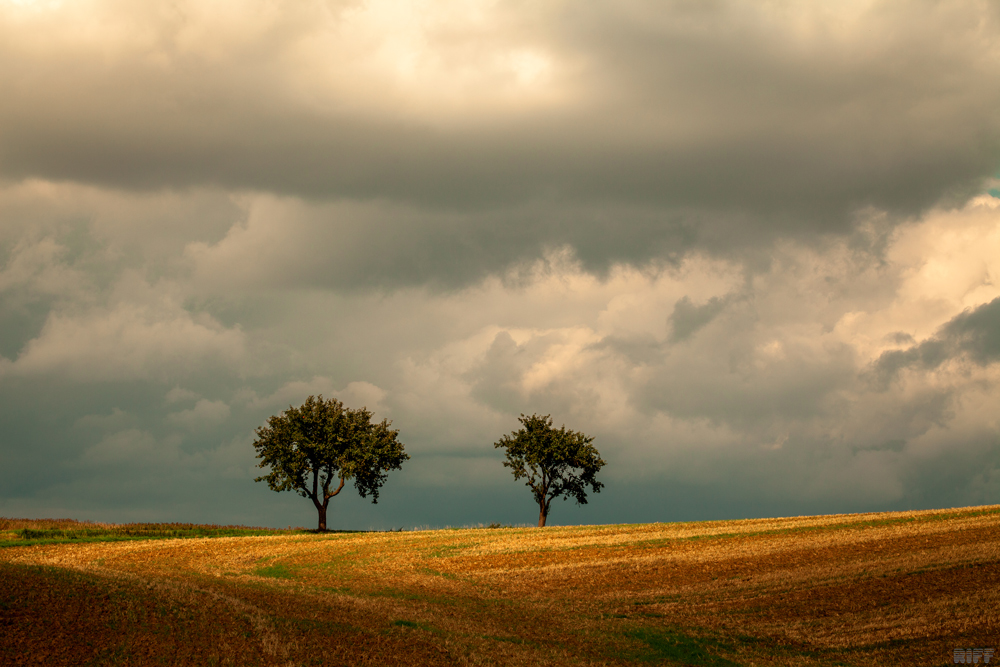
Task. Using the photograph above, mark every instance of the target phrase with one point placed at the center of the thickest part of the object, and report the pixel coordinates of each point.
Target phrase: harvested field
(872, 589)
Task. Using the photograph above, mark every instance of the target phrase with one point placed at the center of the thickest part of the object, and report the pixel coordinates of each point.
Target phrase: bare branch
(331, 495)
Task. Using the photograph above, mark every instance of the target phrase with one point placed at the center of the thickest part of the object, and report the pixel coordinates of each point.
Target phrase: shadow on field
(52, 616)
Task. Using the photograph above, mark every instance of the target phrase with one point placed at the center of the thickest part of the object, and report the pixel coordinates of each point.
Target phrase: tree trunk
(542, 496)
(321, 508)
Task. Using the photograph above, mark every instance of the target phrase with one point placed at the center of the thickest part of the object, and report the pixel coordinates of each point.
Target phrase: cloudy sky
(752, 247)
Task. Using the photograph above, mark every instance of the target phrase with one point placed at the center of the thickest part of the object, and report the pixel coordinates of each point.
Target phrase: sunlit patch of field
(872, 589)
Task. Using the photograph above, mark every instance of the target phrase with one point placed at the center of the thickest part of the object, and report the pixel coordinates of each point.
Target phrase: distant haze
(752, 248)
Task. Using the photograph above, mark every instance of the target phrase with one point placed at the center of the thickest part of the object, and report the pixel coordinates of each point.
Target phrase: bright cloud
(128, 341)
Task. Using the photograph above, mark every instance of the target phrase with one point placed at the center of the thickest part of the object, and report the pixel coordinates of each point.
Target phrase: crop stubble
(894, 588)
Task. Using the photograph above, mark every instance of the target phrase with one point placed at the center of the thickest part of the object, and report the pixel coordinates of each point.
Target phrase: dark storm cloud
(973, 335)
(714, 125)
(351, 245)
(976, 333)
(688, 318)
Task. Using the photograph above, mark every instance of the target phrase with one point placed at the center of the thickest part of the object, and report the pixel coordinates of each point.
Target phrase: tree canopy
(311, 447)
(556, 462)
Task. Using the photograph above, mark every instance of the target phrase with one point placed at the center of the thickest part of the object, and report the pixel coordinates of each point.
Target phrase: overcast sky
(753, 248)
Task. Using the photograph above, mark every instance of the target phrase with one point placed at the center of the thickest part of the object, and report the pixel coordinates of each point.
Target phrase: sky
(751, 247)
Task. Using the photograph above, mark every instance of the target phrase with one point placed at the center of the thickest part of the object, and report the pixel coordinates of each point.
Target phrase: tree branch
(314, 496)
(331, 495)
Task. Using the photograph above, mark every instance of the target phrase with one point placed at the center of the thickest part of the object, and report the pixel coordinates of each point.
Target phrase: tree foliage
(556, 462)
(322, 442)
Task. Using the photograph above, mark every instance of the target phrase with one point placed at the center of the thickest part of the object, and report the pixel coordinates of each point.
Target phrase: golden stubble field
(864, 589)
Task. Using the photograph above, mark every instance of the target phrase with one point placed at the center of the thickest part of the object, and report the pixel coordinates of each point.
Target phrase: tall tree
(556, 462)
(311, 447)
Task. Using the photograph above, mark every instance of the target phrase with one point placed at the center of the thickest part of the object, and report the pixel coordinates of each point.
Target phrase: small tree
(309, 447)
(550, 459)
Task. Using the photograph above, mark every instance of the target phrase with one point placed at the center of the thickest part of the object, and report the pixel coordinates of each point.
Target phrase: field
(864, 589)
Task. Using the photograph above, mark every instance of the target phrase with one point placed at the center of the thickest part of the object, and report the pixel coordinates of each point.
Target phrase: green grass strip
(676, 647)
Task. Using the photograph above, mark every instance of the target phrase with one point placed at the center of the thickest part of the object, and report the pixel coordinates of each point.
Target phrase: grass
(276, 571)
(28, 532)
(672, 646)
(875, 589)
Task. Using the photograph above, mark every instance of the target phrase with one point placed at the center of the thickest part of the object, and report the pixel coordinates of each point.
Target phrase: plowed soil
(872, 589)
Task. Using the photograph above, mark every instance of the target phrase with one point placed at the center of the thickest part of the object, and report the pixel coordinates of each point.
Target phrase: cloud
(130, 447)
(89, 225)
(363, 395)
(117, 420)
(687, 318)
(140, 475)
(179, 395)
(356, 394)
(292, 393)
(973, 335)
(511, 375)
(35, 267)
(767, 388)
(697, 232)
(491, 131)
(204, 414)
(976, 333)
(128, 341)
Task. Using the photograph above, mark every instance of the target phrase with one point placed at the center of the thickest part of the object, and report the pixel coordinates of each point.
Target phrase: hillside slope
(872, 589)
